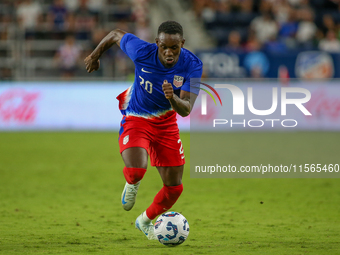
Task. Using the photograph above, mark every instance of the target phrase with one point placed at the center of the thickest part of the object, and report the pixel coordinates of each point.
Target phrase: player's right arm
(92, 61)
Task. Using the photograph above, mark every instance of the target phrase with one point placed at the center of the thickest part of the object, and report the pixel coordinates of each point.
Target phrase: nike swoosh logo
(144, 71)
(123, 199)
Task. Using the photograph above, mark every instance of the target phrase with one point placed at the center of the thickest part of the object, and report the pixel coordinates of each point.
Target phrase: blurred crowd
(81, 24)
(53, 19)
(273, 25)
(28, 28)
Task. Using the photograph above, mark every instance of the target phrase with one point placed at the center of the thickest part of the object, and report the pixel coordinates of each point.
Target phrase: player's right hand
(168, 90)
(91, 64)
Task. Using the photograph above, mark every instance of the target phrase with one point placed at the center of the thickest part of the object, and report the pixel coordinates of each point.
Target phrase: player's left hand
(168, 90)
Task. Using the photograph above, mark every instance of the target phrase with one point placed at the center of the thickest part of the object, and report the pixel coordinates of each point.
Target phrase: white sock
(145, 217)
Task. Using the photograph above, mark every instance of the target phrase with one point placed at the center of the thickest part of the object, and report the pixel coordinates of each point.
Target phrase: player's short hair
(170, 27)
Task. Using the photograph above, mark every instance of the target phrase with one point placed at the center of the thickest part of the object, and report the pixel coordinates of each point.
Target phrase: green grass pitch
(60, 194)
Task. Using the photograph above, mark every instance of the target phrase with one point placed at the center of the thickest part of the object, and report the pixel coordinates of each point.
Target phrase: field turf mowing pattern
(60, 194)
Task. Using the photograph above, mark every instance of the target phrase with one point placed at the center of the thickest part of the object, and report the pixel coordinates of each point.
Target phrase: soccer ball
(171, 228)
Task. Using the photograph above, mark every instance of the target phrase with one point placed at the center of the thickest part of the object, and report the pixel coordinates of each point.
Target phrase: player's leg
(133, 143)
(168, 195)
(136, 161)
(164, 200)
(168, 156)
(171, 175)
(166, 153)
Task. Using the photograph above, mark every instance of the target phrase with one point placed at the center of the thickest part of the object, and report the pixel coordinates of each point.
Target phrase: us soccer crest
(178, 81)
(126, 139)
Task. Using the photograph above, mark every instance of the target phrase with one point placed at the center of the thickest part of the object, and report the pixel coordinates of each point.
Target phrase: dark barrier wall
(304, 64)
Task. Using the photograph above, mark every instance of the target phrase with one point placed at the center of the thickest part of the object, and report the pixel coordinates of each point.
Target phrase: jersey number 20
(148, 85)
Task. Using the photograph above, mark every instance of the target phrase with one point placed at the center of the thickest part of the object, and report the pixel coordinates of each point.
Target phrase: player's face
(169, 48)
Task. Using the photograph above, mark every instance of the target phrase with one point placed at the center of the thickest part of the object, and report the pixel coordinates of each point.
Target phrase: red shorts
(159, 137)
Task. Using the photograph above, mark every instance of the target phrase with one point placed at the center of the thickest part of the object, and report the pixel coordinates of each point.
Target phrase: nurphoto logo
(238, 105)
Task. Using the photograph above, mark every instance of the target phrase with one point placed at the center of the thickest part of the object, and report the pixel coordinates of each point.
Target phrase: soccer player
(161, 89)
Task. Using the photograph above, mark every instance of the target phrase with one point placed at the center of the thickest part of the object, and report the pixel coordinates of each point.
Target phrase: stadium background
(60, 190)
(43, 44)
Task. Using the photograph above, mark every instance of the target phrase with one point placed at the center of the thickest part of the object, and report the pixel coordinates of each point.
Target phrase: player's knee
(135, 157)
(133, 175)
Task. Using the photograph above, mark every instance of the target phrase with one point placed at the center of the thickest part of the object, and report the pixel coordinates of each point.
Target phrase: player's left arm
(183, 103)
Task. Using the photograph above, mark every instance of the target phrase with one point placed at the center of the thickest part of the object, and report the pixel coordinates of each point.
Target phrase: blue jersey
(145, 98)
